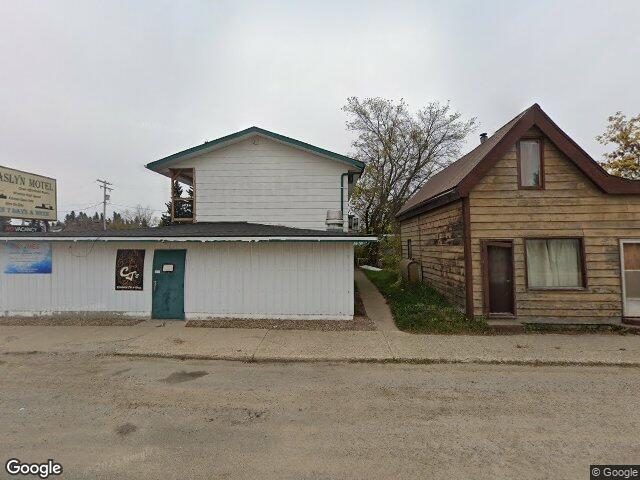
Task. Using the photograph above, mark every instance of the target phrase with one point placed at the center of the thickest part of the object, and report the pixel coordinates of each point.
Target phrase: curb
(389, 360)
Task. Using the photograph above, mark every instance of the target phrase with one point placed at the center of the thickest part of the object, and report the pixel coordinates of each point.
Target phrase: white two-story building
(260, 231)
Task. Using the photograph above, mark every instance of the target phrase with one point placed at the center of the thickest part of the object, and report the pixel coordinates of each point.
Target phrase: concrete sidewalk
(374, 303)
(303, 345)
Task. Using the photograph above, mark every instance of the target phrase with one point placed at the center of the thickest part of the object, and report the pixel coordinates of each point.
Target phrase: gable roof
(162, 165)
(459, 178)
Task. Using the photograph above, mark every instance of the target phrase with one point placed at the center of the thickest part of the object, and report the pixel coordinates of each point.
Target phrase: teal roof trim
(256, 130)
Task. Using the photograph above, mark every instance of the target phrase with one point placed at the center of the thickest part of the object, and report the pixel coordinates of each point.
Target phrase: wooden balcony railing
(182, 207)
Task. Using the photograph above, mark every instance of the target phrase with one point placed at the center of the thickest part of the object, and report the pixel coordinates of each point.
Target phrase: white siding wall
(268, 183)
(241, 280)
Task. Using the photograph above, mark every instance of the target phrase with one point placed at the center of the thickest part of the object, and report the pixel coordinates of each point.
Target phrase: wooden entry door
(498, 278)
(168, 284)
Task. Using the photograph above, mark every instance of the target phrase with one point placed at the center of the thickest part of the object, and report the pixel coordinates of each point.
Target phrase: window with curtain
(530, 165)
(554, 263)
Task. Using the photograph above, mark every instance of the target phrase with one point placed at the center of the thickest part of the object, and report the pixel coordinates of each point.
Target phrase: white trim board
(189, 239)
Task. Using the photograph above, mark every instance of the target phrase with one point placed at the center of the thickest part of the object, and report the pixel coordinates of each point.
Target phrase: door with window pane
(631, 278)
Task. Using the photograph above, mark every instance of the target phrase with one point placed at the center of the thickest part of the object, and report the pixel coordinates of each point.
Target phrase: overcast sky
(97, 89)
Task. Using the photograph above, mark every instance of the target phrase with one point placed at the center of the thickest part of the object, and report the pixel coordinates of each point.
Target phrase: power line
(136, 206)
(80, 209)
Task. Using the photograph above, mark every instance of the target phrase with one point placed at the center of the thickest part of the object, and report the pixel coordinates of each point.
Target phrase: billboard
(26, 195)
(27, 257)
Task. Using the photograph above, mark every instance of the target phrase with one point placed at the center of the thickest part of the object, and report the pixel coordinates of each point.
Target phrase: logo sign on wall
(26, 195)
(27, 257)
(129, 269)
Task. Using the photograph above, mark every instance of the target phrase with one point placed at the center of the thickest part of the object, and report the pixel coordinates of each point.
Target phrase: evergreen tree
(183, 209)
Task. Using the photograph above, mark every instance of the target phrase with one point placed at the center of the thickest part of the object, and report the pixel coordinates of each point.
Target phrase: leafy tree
(401, 150)
(624, 160)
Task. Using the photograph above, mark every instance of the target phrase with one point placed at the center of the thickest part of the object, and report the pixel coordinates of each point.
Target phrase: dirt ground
(114, 417)
(71, 319)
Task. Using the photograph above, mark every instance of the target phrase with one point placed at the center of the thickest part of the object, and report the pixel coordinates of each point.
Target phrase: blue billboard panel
(27, 257)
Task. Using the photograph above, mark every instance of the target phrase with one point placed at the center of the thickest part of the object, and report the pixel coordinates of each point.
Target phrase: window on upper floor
(530, 164)
(409, 249)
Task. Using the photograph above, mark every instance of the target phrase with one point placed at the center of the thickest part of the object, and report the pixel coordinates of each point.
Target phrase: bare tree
(401, 151)
(139, 217)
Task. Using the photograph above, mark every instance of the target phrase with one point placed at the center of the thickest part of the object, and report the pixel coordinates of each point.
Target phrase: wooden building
(527, 226)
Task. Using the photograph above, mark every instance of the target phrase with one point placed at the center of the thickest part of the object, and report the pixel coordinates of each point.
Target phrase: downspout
(342, 196)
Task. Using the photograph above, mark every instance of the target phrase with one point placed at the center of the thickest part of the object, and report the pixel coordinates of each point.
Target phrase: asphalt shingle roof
(449, 177)
(203, 229)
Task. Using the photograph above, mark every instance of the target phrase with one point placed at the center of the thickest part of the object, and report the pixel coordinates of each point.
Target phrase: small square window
(530, 165)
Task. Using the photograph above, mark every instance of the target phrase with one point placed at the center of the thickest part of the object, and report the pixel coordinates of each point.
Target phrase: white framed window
(630, 262)
(530, 164)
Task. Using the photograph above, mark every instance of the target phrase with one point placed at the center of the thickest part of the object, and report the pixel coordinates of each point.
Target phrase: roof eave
(432, 203)
(273, 238)
(159, 165)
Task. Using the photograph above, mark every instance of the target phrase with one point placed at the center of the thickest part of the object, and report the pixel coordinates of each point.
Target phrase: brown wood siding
(569, 206)
(437, 241)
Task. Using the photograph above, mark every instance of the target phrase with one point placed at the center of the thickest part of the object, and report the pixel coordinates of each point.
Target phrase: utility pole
(105, 197)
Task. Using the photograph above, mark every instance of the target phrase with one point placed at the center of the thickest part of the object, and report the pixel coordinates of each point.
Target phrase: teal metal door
(168, 284)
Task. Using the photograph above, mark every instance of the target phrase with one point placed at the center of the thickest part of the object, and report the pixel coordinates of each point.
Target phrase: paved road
(117, 418)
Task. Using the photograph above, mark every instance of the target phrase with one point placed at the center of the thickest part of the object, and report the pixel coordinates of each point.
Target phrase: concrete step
(505, 327)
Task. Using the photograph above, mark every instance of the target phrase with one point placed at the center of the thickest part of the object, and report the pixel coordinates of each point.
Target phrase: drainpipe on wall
(345, 226)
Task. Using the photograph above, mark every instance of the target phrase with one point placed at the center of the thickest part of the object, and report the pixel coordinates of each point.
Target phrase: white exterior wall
(303, 280)
(267, 182)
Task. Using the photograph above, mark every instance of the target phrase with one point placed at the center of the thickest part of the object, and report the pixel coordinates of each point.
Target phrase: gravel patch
(360, 322)
(71, 321)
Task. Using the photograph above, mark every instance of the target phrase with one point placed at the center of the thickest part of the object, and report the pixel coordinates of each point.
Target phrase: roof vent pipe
(483, 137)
(334, 220)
